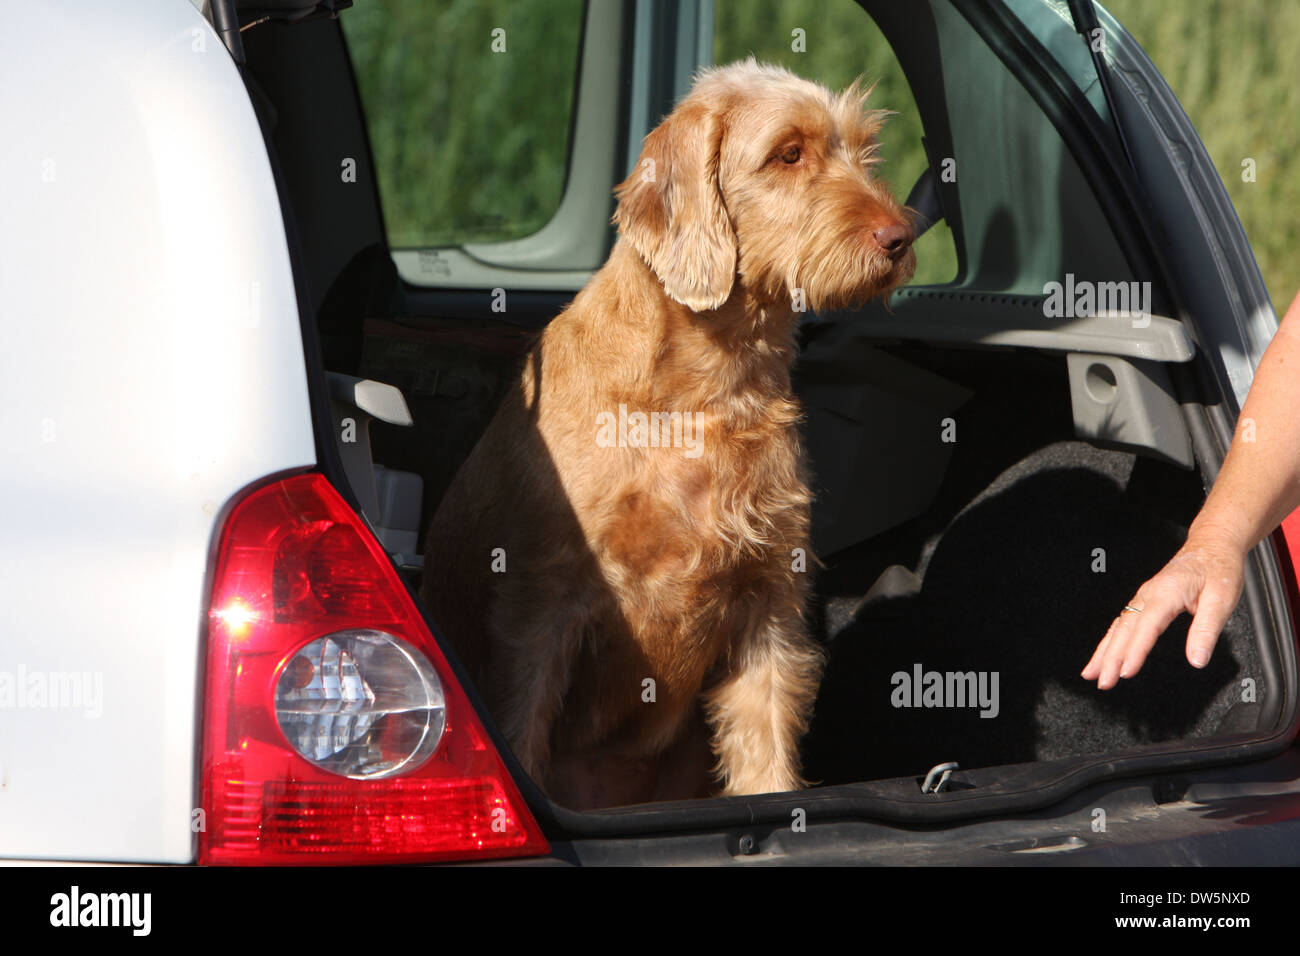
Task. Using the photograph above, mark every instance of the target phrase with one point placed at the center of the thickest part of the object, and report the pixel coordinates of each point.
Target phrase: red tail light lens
(334, 730)
(1290, 551)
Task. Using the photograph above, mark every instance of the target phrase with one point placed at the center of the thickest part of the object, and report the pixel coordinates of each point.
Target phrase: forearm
(1259, 483)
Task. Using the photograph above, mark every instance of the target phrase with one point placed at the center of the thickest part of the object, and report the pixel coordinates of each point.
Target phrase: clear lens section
(361, 703)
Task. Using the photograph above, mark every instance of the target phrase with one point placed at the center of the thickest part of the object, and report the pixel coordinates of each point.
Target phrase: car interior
(992, 484)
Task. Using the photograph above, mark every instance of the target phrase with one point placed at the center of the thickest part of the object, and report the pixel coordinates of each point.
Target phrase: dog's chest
(742, 502)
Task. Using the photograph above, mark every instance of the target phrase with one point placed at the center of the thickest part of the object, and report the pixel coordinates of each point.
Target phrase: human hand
(1205, 578)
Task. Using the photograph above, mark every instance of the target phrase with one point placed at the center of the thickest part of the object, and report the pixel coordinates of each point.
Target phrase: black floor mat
(1009, 589)
(1005, 560)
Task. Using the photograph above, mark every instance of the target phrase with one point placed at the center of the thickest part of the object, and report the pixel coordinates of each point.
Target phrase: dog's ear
(671, 209)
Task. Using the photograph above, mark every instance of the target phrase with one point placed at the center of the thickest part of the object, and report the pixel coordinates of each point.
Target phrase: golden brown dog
(620, 562)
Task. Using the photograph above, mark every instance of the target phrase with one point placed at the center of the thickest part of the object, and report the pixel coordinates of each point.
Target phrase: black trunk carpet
(998, 578)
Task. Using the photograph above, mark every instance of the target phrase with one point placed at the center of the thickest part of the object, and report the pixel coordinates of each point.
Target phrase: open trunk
(1003, 553)
(978, 511)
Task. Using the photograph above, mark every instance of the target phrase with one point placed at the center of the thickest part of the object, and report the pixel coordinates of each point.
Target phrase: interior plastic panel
(389, 499)
(999, 319)
(1127, 404)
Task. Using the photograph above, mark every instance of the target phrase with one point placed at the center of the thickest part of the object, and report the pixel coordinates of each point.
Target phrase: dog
(620, 563)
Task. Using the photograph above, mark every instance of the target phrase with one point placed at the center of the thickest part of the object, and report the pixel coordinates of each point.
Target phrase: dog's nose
(893, 239)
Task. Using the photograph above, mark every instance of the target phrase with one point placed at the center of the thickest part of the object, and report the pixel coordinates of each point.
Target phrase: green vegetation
(470, 144)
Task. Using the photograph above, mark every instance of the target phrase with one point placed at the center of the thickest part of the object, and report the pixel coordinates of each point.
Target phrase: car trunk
(1032, 543)
(966, 522)
(1005, 556)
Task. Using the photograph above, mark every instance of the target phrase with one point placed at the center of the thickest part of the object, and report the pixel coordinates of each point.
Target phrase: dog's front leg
(761, 707)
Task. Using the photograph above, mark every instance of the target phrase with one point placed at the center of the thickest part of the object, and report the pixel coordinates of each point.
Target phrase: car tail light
(334, 730)
(1290, 551)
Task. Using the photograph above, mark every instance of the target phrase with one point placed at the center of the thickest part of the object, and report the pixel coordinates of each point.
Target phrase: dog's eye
(790, 155)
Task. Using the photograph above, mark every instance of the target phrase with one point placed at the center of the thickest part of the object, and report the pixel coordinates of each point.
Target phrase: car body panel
(153, 367)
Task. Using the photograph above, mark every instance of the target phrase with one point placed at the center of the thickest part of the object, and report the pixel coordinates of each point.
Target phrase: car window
(469, 107)
(1052, 25)
(833, 42)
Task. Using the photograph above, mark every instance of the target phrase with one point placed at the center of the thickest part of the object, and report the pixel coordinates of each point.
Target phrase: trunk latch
(936, 781)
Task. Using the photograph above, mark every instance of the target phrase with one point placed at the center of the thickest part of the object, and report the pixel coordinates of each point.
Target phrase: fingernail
(1199, 658)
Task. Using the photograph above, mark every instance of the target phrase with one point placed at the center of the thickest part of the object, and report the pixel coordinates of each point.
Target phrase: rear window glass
(469, 109)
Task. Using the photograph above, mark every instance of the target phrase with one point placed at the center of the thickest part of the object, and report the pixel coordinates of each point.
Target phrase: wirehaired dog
(621, 561)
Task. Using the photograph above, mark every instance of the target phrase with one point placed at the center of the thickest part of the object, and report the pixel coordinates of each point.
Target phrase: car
(252, 332)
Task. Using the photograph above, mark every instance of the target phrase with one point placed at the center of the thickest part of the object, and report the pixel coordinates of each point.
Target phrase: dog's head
(765, 177)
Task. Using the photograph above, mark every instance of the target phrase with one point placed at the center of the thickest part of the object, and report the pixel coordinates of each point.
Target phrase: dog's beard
(901, 273)
(852, 279)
